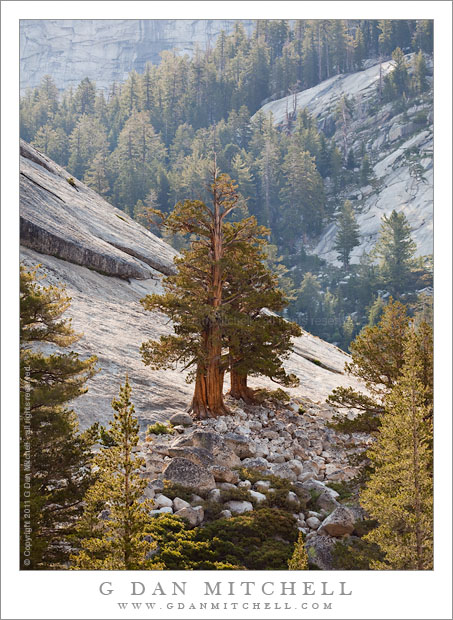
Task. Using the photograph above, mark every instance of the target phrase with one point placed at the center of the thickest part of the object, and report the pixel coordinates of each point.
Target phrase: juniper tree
(257, 339)
(117, 540)
(347, 237)
(194, 297)
(215, 302)
(399, 494)
(54, 456)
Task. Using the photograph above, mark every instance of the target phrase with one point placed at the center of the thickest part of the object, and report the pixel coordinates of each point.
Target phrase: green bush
(160, 429)
(254, 475)
(259, 540)
(172, 490)
(342, 488)
(355, 554)
(365, 422)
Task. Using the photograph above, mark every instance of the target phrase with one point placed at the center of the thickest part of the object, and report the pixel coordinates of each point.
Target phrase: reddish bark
(239, 388)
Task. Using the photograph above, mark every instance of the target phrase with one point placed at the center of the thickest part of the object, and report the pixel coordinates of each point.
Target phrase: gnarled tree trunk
(239, 387)
(207, 401)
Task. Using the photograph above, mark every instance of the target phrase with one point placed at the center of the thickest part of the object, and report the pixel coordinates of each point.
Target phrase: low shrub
(160, 429)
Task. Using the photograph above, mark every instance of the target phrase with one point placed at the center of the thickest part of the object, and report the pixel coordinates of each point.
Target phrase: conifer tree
(194, 297)
(377, 359)
(118, 540)
(395, 250)
(257, 339)
(55, 457)
(299, 559)
(399, 494)
(347, 237)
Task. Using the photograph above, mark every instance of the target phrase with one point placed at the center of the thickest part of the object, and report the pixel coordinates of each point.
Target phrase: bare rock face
(341, 521)
(75, 224)
(184, 472)
(107, 50)
(390, 138)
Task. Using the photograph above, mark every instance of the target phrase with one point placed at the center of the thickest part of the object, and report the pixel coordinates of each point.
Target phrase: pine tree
(395, 251)
(299, 559)
(399, 494)
(375, 311)
(302, 194)
(377, 359)
(365, 171)
(54, 455)
(347, 237)
(117, 541)
(423, 36)
(419, 82)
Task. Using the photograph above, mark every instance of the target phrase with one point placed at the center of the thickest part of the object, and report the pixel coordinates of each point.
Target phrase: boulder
(179, 504)
(327, 502)
(259, 497)
(340, 522)
(315, 485)
(313, 523)
(221, 426)
(161, 501)
(200, 456)
(296, 466)
(226, 486)
(214, 443)
(242, 446)
(194, 515)
(292, 497)
(156, 484)
(225, 514)
(319, 551)
(149, 492)
(223, 474)
(262, 485)
(259, 464)
(215, 495)
(284, 471)
(239, 507)
(182, 419)
(188, 474)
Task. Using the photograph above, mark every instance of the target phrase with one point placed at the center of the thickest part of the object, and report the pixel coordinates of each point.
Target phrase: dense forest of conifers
(149, 142)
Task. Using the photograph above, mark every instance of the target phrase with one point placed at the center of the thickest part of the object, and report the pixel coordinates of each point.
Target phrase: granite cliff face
(108, 263)
(106, 50)
(400, 148)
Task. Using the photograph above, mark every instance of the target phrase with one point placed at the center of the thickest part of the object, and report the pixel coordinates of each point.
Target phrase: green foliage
(395, 250)
(342, 488)
(347, 237)
(118, 541)
(160, 429)
(299, 559)
(54, 455)
(173, 490)
(355, 554)
(239, 543)
(399, 494)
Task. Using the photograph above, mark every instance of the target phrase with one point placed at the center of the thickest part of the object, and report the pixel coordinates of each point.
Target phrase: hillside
(108, 262)
(71, 49)
(395, 142)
